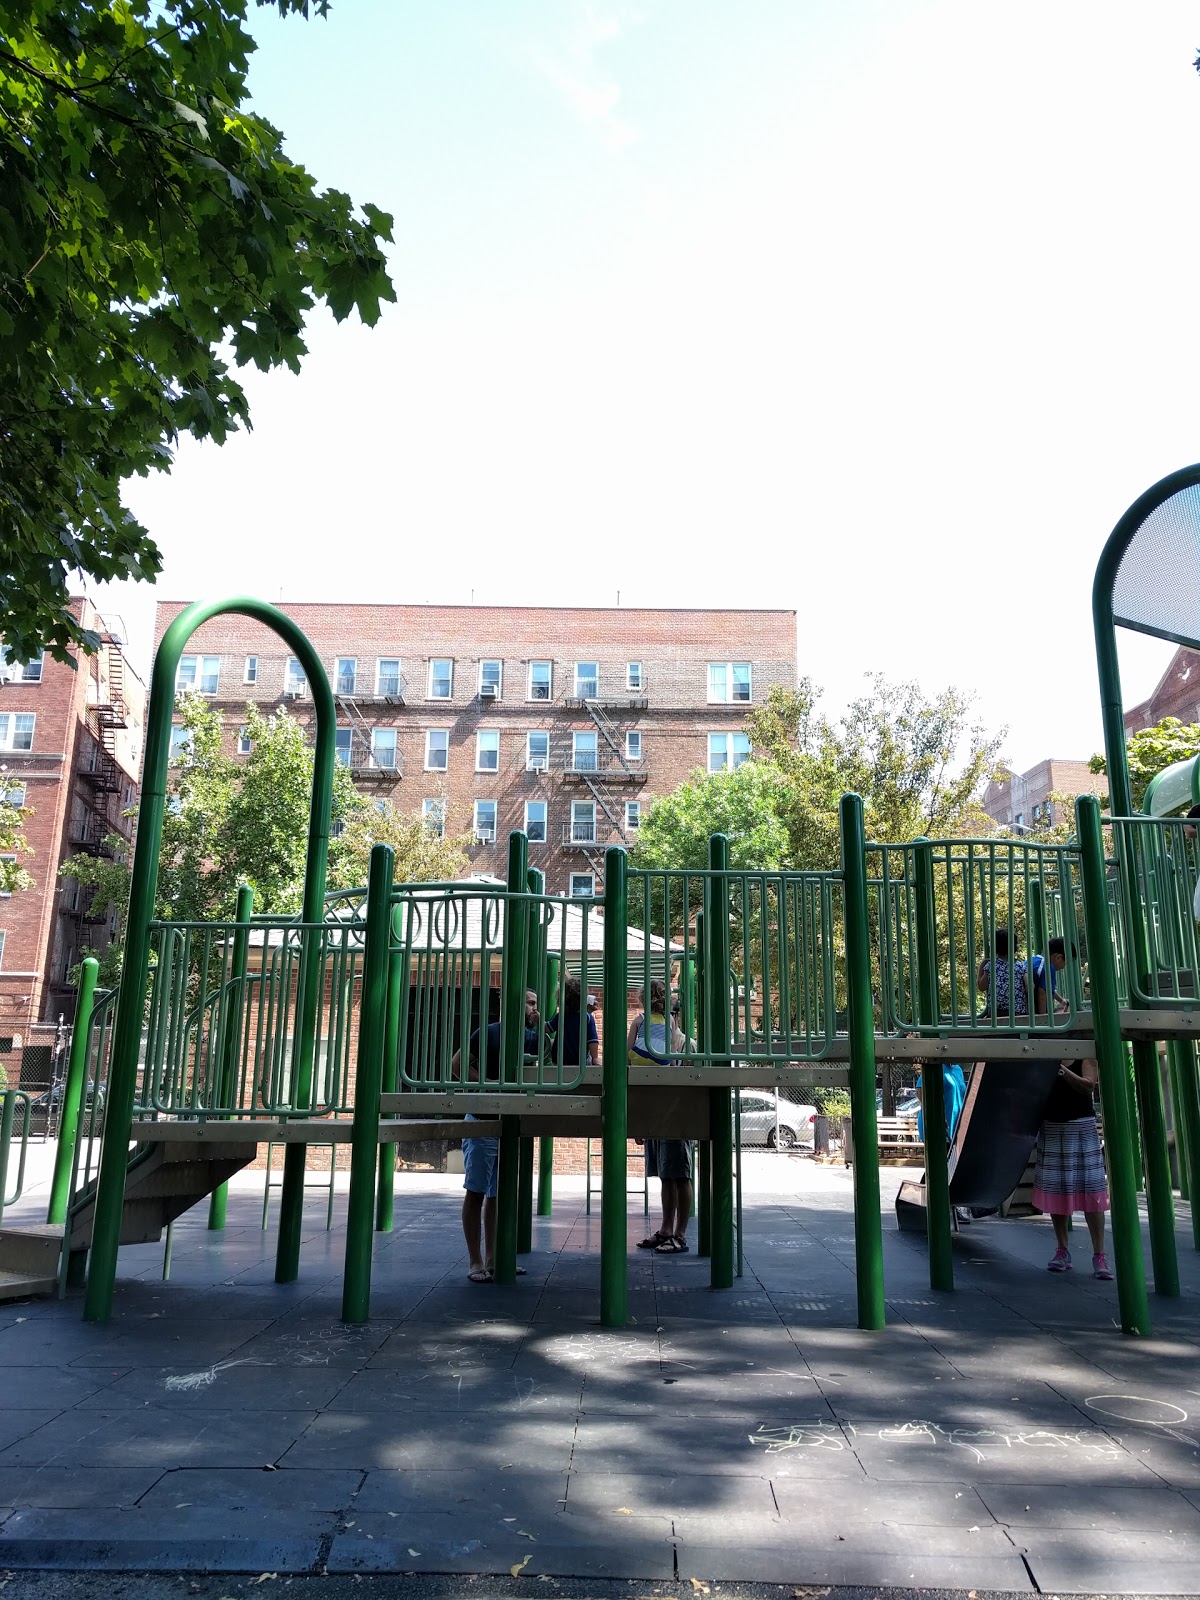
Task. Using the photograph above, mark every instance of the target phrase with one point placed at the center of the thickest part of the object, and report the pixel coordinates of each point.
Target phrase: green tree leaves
(149, 222)
(1149, 750)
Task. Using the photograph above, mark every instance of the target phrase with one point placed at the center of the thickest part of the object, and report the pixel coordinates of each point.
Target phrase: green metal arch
(1111, 708)
(122, 1082)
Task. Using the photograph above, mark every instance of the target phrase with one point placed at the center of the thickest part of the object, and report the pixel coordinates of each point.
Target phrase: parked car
(763, 1110)
(907, 1104)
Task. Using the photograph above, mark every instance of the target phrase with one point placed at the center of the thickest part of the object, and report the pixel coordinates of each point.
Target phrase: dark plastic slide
(996, 1133)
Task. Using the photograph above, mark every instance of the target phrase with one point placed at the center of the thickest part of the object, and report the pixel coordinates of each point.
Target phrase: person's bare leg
(683, 1208)
(668, 1205)
(1061, 1235)
(1095, 1226)
(472, 1209)
(489, 1232)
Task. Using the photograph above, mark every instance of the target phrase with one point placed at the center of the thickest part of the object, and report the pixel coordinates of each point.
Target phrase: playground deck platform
(1006, 1437)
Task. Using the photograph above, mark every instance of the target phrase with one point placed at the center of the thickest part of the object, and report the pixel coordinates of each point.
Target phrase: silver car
(763, 1111)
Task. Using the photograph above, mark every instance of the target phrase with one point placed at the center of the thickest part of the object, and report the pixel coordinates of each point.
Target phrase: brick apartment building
(1020, 800)
(1177, 694)
(70, 750)
(564, 721)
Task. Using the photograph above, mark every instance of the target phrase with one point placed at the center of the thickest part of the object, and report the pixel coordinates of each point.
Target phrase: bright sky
(881, 310)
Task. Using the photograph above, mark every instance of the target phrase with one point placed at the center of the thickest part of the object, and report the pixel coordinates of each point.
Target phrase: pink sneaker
(1060, 1261)
(1101, 1268)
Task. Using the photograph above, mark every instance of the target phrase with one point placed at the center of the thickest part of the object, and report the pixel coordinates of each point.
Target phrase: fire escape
(367, 763)
(605, 770)
(99, 774)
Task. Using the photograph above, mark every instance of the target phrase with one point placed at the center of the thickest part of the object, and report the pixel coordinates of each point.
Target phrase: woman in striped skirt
(1070, 1173)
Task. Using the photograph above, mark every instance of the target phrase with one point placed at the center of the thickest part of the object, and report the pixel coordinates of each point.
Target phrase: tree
(746, 805)
(150, 223)
(1149, 750)
(13, 845)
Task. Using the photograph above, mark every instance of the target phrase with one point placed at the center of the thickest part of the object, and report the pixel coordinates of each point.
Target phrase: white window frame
(731, 762)
(380, 675)
(199, 668)
(635, 678)
(433, 663)
(244, 743)
(633, 744)
(633, 815)
(8, 738)
(578, 805)
(592, 677)
(537, 763)
(493, 748)
(343, 746)
(545, 821)
(576, 878)
(430, 735)
(433, 815)
(482, 833)
(492, 661)
(338, 663)
(542, 699)
(295, 679)
(11, 855)
(728, 698)
(8, 792)
(180, 746)
(576, 736)
(250, 670)
(385, 766)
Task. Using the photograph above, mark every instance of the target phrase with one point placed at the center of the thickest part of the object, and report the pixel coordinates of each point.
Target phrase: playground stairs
(164, 1180)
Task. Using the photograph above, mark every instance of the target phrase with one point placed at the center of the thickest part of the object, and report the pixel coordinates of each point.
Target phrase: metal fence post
(860, 1026)
(1189, 1116)
(1160, 1201)
(231, 1033)
(545, 1186)
(614, 1102)
(397, 996)
(720, 1101)
(512, 1045)
(933, 1098)
(368, 1078)
(1110, 1058)
(73, 1090)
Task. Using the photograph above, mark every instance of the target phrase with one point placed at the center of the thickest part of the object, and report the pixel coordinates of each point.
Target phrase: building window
(633, 677)
(537, 752)
(633, 746)
(583, 822)
(346, 675)
(181, 744)
(587, 680)
(728, 682)
(243, 745)
(437, 749)
(20, 671)
(433, 813)
(3, 937)
(485, 821)
(250, 671)
(535, 821)
(8, 857)
(383, 748)
(487, 750)
(295, 680)
(14, 795)
(343, 743)
(441, 679)
(633, 815)
(727, 751)
(16, 730)
(388, 677)
(583, 752)
(200, 673)
(541, 680)
(491, 675)
(583, 886)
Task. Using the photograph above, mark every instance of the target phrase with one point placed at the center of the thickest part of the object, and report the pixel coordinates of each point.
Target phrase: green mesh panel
(1157, 589)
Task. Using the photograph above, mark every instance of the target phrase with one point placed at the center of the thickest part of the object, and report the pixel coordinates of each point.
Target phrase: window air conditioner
(487, 691)
(485, 836)
(538, 764)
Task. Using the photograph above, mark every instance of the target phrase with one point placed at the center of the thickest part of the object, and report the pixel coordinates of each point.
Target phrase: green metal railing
(1157, 864)
(13, 1131)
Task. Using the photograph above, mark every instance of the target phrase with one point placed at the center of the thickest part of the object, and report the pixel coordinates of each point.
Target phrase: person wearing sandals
(1070, 1173)
(652, 1036)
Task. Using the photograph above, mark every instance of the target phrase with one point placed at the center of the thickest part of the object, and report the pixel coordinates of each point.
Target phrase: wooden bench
(899, 1145)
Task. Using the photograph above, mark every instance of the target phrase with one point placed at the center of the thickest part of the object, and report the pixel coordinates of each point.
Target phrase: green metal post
(1110, 1057)
(368, 1079)
(545, 1188)
(397, 995)
(535, 971)
(232, 1014)
(131, 999)
(8, 1112)
(614, 1245)
(933, 1100)
(1189, 1105)
(513, 1054)
(720, 1106)
(1160, 1201)
(1181, 1165)
(704, 1163)
(73, 1090)
(860, 1025)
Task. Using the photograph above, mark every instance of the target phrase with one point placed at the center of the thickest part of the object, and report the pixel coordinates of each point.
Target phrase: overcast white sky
(881, 309)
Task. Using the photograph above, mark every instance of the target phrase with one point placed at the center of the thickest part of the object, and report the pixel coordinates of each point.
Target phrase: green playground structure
(349, 1023)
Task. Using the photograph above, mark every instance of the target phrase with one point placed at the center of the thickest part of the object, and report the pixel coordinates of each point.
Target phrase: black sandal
(656, 1239)
(672, 1245)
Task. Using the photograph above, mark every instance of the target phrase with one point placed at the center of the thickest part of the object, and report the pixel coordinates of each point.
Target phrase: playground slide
(995, 1135)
